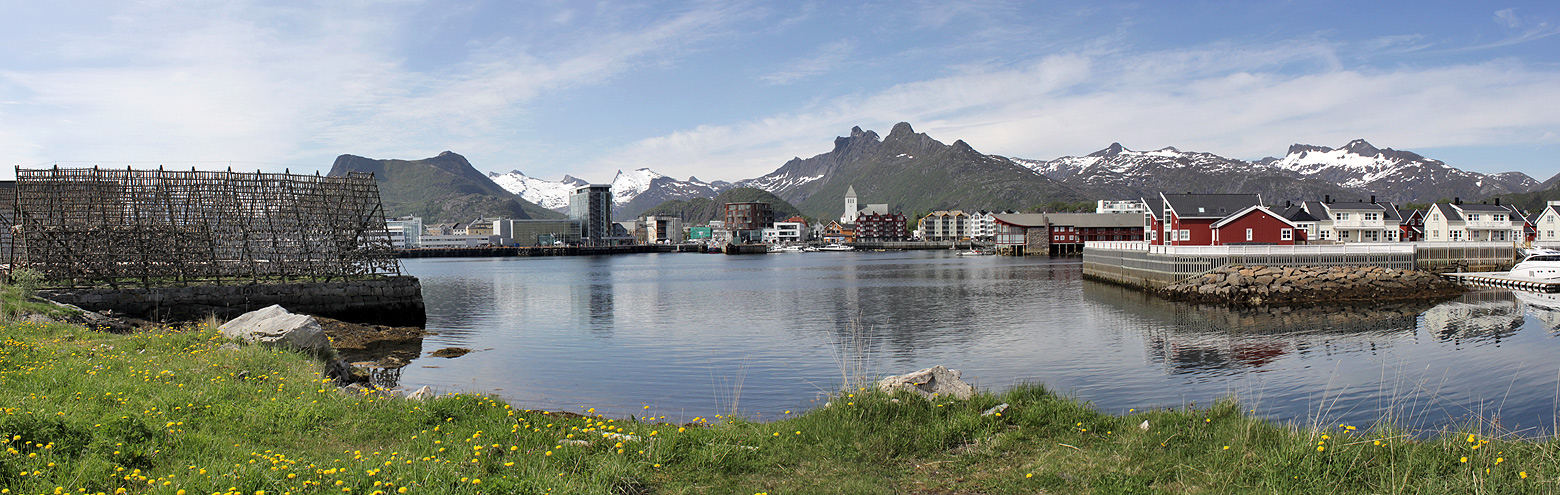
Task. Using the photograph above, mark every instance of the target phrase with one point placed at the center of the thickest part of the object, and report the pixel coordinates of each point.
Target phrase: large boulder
(274, 325)
(935, 380)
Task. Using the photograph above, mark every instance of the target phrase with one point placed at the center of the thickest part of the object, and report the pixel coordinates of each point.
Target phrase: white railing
(1250, 250)
(1359, 224)
(1488, 224)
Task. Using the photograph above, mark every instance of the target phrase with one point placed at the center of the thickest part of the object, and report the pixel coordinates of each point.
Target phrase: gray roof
(1297, 214)
(1155, 206)
(1021, 219)
(1355, 206)
(1483, 208)
(1096, 219)
(1392, 212)
(1071, 219)
(1209, 205)
(1451, 214)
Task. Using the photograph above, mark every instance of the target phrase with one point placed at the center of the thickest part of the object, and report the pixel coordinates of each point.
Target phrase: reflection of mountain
(1544, 307)
(1481, 315)
(1190, 338)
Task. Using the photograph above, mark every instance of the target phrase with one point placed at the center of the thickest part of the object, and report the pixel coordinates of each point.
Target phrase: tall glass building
(591, 205)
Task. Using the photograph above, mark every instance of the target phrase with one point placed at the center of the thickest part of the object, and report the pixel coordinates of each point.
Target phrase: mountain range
(444, 188)
(915, 174)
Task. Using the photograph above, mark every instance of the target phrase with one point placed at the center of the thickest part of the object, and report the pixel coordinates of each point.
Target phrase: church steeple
(850, 206)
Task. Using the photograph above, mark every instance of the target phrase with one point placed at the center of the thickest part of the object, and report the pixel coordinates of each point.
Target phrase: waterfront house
(881, 227)
(1302, 220)
(1356, 221)
(1062, 233)
(659, 229)
(792, 230)
(1456, 222)
(1547, 224)
(1412, 228)
(1187, 219)
(945, 225)
(1134, 206)
(838, 232)
(1256, 225)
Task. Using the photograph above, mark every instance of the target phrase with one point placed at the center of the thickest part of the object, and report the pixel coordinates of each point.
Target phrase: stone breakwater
(1241, 284)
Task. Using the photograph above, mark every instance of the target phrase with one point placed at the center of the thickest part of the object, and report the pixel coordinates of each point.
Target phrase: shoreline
(156, 412)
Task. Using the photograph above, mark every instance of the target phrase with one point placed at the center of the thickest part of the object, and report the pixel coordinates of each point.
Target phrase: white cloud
(251, 82)
(828, 57)
(1239, 102)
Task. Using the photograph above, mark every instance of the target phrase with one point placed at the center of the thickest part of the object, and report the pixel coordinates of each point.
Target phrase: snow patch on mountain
(549, 194)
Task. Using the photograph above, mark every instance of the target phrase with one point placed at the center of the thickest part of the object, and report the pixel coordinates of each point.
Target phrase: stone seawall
(395, 301)
(1243, 284)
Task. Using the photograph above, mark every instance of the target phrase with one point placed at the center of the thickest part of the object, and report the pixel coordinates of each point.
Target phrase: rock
(935, 380)
(423, 393)
(1143, 426)
(995, 410)
(274, 325)
(450, 352)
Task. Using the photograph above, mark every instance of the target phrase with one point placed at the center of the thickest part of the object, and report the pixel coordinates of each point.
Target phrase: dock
(1503, 280)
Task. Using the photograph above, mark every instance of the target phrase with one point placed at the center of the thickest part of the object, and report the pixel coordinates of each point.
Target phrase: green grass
(171, 410)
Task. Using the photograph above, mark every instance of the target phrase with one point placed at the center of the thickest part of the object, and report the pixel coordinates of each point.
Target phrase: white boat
(786, 249)
(972, 252)
(1542, 264)
(836, 247)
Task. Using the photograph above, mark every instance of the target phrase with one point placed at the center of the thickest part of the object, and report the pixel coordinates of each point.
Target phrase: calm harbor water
(698, 335)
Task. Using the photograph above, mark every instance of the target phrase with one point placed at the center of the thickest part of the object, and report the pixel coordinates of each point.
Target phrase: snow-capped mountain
(549, 194)
(1118, 172)
(1306, 173)
(630, 190)
(1396, 174)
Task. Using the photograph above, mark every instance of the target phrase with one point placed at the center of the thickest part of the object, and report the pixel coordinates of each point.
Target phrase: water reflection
(1544, 307)
(696, 335)
(1210, 338)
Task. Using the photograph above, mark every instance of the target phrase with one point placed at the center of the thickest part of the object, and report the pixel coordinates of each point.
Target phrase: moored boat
(1542, 264)
(836, 247)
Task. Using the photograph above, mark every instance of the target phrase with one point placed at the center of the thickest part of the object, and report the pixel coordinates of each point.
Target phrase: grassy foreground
(172, 412)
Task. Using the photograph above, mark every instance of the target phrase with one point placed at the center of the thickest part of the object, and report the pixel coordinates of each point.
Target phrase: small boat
(786, 249)
(972, 252)
(836, 247)
(1542, 264)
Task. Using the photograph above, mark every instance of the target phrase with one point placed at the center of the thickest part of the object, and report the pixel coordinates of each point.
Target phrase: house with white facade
(1355, 222)
(1547, 224)
(1471, 222)
(1121, 206)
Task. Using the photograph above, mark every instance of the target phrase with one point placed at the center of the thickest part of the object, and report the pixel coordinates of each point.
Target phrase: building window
(1286, 234)
(1248, 234)
(1435, 234)
(1372, 216)
(1341, 216)
(1186, 235)
(1497, 218)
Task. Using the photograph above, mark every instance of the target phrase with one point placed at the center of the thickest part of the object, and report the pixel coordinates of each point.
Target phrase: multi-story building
(1355, 222)
(881, 227)
(1471, 222)
(747, 221)
(944, 225)
(405, 232)
(527, 233)
(659, 229)
(1121, 206)
(1187, 219)
(591, 206)
(792, 230)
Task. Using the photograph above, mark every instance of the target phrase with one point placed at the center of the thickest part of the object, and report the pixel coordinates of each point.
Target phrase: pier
(1139, 264)
(1503, 280)
(501, 251)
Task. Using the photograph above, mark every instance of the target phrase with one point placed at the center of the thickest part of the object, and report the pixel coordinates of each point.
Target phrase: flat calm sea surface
(698, 335)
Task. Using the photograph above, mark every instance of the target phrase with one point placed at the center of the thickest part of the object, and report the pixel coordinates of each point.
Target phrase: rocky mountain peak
(1109, 151)
(1297, 148)
(1362, 148)
(902, 128)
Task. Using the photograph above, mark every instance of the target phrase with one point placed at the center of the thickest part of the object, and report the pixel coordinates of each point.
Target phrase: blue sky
(731, 89)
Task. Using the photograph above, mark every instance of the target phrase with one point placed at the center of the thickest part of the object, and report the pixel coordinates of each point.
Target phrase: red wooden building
(1256, 225)
(1187, 219)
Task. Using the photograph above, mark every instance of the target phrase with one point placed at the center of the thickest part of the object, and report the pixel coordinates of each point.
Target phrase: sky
(731, 89)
